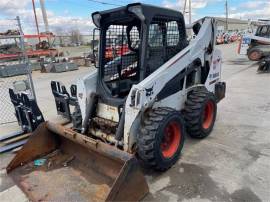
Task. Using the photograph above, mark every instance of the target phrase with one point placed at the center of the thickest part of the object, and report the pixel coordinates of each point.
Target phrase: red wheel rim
(255, 55)
(171, 139)
(208, 114)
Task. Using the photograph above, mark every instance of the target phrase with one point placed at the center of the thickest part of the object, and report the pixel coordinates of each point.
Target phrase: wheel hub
(208, 115)
(255, 56)
(171, 139)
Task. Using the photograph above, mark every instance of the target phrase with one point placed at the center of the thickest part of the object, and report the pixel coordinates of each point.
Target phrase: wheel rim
(255, 55)
(171, 139)
(208, 114)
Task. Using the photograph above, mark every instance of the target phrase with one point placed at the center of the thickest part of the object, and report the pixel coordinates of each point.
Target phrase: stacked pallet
(13, 141)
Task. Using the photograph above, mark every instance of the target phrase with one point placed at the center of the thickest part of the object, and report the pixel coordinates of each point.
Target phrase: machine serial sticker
(215, 75)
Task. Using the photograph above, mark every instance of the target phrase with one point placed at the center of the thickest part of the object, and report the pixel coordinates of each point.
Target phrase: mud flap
(75, 168)
(220, 90)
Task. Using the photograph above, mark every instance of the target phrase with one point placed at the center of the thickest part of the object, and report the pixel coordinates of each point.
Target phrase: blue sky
(69, 14)
(210, 7)
(84, 7)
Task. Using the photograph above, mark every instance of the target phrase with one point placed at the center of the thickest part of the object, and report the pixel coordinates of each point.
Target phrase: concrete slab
(232, 164)
(13, 194)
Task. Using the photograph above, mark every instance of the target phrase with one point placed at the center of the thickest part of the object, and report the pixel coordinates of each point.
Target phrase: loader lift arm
(194, 59)
(197, 53)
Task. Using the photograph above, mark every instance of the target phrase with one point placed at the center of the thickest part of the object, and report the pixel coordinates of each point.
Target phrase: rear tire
(200, 113)
(161, 138)
(254, 54)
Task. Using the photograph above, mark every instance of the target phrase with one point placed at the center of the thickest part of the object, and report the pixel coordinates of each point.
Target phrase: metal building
(233, 24)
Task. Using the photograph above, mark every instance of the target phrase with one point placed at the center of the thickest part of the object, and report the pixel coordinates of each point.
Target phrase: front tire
(200, 113)
(161, 138)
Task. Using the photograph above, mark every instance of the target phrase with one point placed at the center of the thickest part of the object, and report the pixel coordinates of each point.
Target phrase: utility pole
(226, 8)
(189, 11)
(44, 14)
(35, 14)
(184, 10)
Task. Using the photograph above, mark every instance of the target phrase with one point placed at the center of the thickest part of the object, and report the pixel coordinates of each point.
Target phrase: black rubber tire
(194, 113)
(151, 134)
(77, 118)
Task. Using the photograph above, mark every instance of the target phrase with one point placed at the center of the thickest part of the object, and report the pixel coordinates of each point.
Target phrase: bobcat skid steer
(136, 105)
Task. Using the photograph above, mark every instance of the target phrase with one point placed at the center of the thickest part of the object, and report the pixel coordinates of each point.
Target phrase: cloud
(24, 10)
(195, 5)
(9, 5)
(64, 23)
(248, 10)
(179, 4)
(252, 4)
(253, 10)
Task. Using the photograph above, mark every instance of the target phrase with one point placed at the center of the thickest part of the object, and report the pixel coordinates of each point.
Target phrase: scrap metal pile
(10, 32)
(9, 49)
(228, 37)
(44, 45)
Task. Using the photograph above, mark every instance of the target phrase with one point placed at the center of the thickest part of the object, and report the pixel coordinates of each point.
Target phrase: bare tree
(60, 33)
(75, 36)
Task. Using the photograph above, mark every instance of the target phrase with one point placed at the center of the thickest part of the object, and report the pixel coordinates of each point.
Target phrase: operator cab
(135, 40)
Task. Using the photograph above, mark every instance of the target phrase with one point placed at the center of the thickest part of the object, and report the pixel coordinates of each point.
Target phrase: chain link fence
(14, 66)
(6, 107)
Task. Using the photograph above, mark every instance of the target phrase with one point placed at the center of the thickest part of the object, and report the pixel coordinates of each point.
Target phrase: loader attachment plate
(58, 164)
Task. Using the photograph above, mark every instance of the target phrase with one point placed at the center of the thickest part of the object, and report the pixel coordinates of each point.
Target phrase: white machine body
(138, 100)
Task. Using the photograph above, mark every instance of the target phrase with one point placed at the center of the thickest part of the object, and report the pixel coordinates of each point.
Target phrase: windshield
(121, 57)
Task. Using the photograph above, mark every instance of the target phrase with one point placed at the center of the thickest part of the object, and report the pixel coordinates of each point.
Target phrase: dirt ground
(232, 164)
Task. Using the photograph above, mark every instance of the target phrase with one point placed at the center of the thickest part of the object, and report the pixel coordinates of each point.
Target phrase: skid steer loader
(135, 105)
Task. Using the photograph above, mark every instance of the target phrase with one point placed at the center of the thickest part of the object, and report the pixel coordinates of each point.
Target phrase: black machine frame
(27, 111)
(118, 49)
(63, 99)
(142, 16)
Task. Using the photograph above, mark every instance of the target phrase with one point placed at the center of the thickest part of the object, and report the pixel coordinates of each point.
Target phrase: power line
(189, 10)
(226, 9)
(104, 3)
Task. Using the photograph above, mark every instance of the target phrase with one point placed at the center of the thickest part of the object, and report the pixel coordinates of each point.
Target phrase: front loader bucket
(58, 164)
